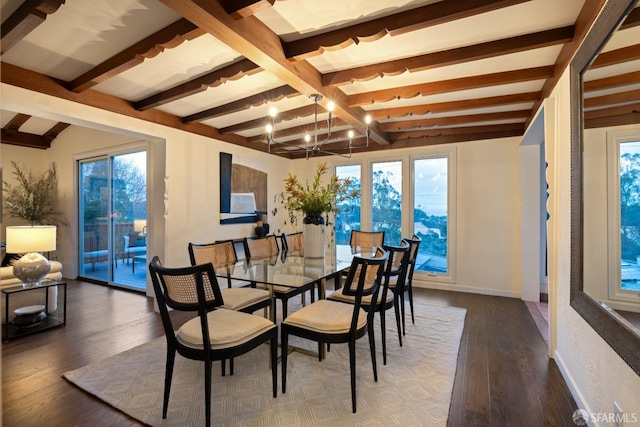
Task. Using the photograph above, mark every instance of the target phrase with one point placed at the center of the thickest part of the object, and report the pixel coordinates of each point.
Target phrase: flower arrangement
(314, 199)
(34, 198)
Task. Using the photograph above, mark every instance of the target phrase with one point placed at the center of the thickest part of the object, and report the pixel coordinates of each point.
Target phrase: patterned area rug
(413, 389)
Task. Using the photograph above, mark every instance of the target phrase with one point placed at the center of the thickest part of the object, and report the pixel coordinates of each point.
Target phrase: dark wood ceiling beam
(423, 133)
(612, 111)
(53, 133)
(304, 111)
(467, 104)
(24, 139)
(258, 43)
(27, 17)
(617, 56)
(587, 16)
(27, 79)
(605, 122)
(444, 86)
(451, 57)
(242, 8)
(453, 120)
(399, 23)
(166, 38)
(424, 142)
(454, 138)
(611, 99)
(612, 82)
(632, 19)
(235, 71)
(17, 121)
(271, 95)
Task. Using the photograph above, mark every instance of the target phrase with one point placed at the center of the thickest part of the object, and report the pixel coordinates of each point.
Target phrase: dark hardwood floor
(504, 375)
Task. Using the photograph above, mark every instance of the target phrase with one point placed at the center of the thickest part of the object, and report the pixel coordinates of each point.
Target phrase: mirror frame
(615, 330)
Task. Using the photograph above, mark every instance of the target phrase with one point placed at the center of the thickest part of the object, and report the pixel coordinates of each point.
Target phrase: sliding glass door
(113, 219)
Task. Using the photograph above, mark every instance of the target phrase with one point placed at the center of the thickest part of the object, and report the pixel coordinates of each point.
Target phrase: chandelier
(312, 144)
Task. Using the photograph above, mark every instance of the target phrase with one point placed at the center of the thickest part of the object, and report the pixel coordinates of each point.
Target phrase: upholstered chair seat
(243, 299)
(327, 317)
(227, 328)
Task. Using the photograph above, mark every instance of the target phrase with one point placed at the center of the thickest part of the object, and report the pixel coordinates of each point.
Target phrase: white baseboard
(467, 289)
(573, 387)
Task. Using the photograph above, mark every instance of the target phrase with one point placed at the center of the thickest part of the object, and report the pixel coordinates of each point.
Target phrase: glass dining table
(288, 270)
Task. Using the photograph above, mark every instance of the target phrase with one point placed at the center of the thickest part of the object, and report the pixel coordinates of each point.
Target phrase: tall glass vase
(314, 235)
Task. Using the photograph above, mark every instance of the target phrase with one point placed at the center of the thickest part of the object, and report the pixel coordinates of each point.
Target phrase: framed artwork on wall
(243, 192)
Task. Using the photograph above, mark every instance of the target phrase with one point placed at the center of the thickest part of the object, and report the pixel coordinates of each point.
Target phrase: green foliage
(314, 198)
(386, 208)
(129, 191)
(34, 197)
(630, 205)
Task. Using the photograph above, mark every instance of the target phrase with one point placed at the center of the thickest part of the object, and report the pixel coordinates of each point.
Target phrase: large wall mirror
(605, 179)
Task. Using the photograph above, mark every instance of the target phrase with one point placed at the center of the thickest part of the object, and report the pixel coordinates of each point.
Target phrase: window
(112, 218)
(430, 213)
(349, 216)
(624, 215)
(386, 200)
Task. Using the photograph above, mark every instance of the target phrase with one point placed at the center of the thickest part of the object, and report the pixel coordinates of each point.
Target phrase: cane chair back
(293, 243)
(397, 263)
(266, 248)
(220, 254)
(329, 321)
(239, 295)
(261, 247)
(401, 285)
(366, 240)
(215, 333)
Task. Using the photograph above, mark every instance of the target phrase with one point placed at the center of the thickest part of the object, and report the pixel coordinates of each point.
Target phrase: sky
(430, 181)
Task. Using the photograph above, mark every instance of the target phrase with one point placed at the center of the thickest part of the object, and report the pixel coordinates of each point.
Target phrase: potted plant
(33, 198)
(314, 200)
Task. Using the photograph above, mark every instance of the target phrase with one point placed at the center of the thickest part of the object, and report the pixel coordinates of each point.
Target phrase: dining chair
(327, 321)
(361, 241)
(293, 243)
(238, 295)
(400, 286)
(260, 248)
(215, 333)
(366, 240)
(397, 265)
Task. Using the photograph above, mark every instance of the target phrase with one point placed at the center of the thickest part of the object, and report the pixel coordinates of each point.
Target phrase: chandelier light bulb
(313, 145)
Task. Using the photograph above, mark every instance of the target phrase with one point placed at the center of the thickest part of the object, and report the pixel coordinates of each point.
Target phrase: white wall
(488, 218)
(189, 185)
(595, 373)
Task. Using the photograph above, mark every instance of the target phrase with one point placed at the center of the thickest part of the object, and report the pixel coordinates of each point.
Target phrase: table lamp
(30, 240)
(140, 226)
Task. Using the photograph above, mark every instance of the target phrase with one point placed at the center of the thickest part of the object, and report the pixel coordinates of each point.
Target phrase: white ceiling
(82, 34)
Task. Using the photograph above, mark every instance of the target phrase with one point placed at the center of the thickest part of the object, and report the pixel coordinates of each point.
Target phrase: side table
(52, 320)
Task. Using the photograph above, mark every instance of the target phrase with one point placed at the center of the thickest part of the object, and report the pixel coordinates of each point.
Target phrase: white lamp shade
(139, 225)
(37, 238)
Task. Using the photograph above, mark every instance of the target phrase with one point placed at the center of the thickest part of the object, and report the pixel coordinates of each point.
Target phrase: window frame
(408, 173)
(450, 154)
(614, 250)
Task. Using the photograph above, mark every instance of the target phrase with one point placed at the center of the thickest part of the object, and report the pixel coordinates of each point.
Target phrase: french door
(112, 219)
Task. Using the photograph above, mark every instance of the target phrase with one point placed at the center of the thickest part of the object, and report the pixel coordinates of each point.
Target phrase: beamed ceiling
(426, 71)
